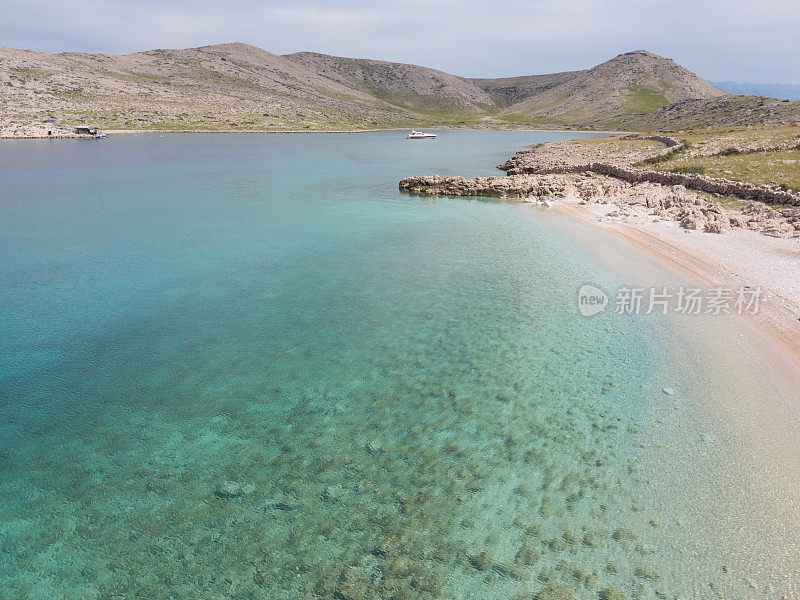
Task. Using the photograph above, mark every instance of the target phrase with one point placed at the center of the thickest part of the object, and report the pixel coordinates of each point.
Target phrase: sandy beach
(735, 259)
(742, 394)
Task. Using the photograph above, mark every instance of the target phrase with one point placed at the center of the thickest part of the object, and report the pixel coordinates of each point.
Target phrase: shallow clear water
(248, 367)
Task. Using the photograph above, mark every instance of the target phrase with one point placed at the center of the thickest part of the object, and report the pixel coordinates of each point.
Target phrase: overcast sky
(718, 39)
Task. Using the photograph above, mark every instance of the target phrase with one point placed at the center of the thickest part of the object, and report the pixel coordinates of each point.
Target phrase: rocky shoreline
(536, 176)
(712, 185)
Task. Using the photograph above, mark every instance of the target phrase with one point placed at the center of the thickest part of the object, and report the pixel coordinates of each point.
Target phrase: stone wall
(702, 183)
(759, 150)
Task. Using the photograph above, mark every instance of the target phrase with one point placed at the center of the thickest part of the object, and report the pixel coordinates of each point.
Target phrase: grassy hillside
(722, 111)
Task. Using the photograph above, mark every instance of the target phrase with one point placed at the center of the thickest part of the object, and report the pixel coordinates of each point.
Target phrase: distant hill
(227, 86)
(239, 87)
(507, 91)
(784, 91)
(398, 83)
(634, 83)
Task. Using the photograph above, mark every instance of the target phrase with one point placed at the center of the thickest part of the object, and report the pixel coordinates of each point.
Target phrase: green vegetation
(779, 168)
(643, 99)
(739, 137)
(729, 153)
(662, 158)
(725, 111)
(26, 74)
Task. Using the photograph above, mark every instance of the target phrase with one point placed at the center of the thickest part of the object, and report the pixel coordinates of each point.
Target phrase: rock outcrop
(638, 199)
(517, 186)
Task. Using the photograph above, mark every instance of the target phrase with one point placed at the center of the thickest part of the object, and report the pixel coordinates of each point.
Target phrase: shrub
(661, 158)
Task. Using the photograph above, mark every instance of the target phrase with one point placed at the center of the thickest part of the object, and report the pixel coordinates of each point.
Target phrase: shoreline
(293, 131)
(753, 241)
(699, 256)
(731, 417)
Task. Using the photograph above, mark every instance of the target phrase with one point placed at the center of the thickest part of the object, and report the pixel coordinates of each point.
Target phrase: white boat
(418, 135)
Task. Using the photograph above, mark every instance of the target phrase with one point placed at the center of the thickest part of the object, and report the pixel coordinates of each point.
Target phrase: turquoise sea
(246, 366)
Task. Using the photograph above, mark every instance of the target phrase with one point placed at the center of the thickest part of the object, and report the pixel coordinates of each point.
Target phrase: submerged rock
(352, 590)
(554, 592)
(284, 502)
(646, 549)
(622, 534)
(611, 594)
(332, 493)
(373, 446)
(646, 573)
(481, 561)
(385, 546)
(231, 489)
(591, 539)
(517, 572)
(527, 555)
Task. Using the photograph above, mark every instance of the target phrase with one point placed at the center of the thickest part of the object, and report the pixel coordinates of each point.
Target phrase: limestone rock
(232, 489)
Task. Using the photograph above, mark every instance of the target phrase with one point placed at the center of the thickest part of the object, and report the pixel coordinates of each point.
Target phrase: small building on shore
(53, 125)
(86, 130)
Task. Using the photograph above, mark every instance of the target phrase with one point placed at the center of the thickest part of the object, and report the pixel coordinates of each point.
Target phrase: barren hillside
(227, 86)
(237, 87)
(398, 83)
(634, 83)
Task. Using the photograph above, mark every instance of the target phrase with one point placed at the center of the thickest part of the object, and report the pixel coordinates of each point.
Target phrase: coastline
(718, 261)
(733, 239)
(732, 414)
(726, 430)
(71, 136)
